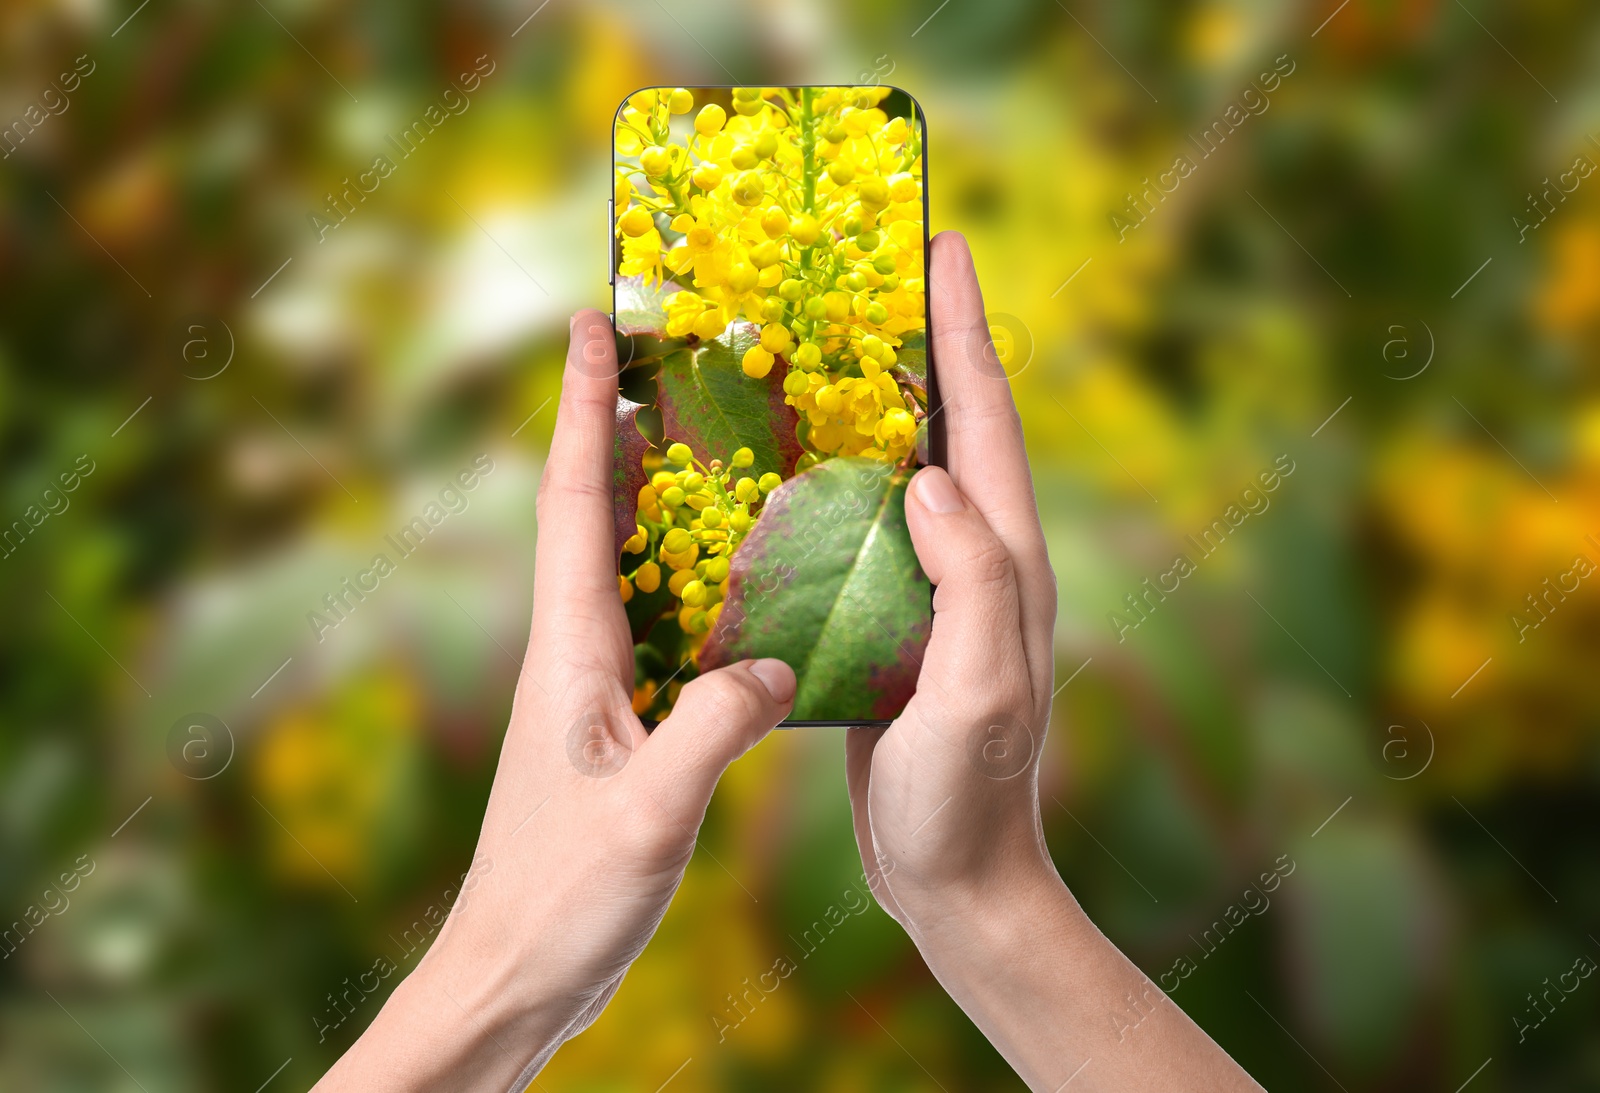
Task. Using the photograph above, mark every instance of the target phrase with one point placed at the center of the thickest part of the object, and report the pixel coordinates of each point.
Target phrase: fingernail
(936, 492)
(776, 676)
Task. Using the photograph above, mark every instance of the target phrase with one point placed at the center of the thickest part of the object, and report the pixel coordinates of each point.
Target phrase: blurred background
(234, 357)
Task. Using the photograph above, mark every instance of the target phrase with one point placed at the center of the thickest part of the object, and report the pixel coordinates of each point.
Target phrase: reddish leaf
(627, 471)
(708, 402)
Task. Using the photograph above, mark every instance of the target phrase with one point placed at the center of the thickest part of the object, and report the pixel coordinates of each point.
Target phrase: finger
(575, 574)
(985, 453)
(975, 656)
(859, 745)
(718, 717)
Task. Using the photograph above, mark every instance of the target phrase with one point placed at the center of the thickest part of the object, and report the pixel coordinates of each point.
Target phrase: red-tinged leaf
(627, 471)
(828, 582)
(708, 402)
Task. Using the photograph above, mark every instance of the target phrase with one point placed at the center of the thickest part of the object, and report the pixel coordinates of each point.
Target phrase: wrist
(463, 1019)
(983, 932)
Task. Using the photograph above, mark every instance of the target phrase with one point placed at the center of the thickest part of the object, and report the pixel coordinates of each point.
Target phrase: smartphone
(776, 393)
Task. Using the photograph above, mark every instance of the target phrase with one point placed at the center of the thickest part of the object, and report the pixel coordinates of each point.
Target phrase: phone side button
(611, 242)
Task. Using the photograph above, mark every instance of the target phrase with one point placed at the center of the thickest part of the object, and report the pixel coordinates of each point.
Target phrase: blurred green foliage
(156, 224)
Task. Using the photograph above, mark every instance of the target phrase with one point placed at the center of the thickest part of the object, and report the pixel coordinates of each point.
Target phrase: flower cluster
(802, 212)
(690, 521)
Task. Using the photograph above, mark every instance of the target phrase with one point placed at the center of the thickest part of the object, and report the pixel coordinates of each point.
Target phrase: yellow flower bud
(710, 119)
(655, 161)
(648, 578)
(804, 229)
(708, 325)
(765, 254)
(757, 362)
(874, 193)
(774, 222)
(636, 221)
(775, 338)
(747, 189)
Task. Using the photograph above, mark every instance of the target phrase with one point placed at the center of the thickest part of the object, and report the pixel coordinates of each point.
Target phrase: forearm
(459, 1021)
(1058, 999)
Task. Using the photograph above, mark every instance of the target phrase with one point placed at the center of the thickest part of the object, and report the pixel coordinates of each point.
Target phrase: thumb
(718, 717)
(976, 616)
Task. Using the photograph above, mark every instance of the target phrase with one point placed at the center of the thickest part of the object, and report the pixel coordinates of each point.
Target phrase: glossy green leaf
(828, 582)
(708, 402)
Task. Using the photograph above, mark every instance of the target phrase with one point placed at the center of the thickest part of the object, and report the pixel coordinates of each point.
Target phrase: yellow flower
(642, 254)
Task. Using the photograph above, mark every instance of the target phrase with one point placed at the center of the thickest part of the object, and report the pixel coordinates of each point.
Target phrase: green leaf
(828, 582)
(627, 471)
(708, 402)
(911, 363)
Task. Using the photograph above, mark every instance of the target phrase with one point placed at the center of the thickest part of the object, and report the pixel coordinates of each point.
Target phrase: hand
(591, 821)
(946, 799)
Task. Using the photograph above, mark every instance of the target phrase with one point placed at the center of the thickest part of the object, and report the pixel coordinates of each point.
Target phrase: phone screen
(775, 393)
